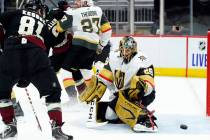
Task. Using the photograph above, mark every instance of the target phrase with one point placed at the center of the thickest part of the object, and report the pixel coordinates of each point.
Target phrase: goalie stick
(92, 117)
(37, 120)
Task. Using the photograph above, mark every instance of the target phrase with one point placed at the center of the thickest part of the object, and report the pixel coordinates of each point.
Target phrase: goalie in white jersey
(91, 32)
(130, 75)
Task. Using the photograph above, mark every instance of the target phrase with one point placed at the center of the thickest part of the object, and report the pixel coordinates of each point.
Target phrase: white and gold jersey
(88, 23)
(118, 74)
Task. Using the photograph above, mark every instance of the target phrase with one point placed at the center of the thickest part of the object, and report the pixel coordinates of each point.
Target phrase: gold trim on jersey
(59, 28)
(106, 27)
(107, 75)
(86, 39)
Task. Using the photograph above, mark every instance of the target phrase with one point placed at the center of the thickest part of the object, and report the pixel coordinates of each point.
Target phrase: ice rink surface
(178, 101)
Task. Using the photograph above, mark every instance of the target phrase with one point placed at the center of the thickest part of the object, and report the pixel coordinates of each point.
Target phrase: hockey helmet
(63, 5)
(84, 3)
(128, 48)
(33, 5)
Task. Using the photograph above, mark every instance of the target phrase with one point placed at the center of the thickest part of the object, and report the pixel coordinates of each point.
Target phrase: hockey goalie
(129, 76)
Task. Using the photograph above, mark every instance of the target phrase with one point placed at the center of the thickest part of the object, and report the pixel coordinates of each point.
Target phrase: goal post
(208, 76)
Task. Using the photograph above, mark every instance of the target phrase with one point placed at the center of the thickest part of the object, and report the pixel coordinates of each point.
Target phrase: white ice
(178, 101)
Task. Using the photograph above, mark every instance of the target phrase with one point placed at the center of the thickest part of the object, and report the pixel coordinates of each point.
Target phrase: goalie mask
(128, 48)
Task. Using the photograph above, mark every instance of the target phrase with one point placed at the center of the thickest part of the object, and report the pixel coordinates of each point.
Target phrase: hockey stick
(37, 120)
(92, 118)
(53, 3)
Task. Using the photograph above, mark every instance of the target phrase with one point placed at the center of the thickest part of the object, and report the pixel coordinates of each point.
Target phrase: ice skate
(9, 131)
(146, 124)
(58, 134)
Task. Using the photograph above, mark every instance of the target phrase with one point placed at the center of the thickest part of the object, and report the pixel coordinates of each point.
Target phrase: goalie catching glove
(97, 90)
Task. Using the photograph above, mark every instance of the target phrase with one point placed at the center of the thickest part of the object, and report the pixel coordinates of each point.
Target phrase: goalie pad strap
(127, 111)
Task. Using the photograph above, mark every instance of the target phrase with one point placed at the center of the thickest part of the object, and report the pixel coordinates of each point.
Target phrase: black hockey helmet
(33, 5)
(63, 4)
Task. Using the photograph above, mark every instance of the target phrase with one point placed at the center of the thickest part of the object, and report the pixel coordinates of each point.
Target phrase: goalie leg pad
(86, 93)
(95, 90)
(98, 92)
(127, 111)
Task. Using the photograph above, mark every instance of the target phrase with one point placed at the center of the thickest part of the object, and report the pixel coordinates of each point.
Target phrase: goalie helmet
(128, 48)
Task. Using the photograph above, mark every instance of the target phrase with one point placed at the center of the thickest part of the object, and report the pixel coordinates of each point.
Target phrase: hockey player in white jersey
(91, 32)
(130, 76)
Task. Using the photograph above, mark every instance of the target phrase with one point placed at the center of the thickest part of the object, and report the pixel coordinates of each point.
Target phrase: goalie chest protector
(130, 69)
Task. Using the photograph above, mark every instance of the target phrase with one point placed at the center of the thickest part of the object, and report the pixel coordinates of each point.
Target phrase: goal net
(208, 77)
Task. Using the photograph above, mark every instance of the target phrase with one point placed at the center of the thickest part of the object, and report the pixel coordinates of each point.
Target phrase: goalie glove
(137, 88)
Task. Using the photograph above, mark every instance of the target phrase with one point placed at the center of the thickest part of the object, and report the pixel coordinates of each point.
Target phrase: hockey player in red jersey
(129, 75)
(24, 57)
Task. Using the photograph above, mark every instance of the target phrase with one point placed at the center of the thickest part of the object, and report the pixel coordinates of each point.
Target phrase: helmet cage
(128, 48)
